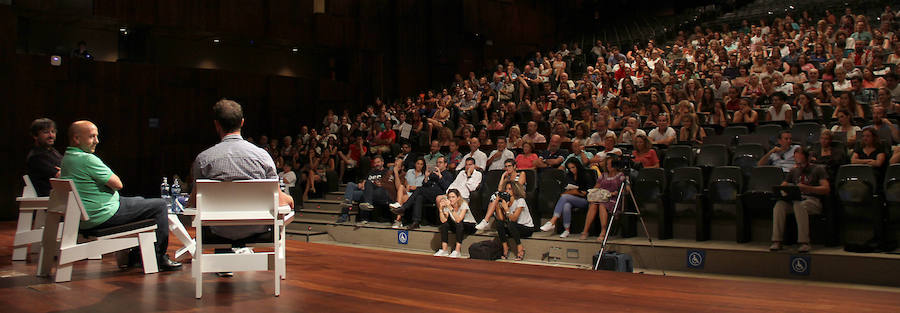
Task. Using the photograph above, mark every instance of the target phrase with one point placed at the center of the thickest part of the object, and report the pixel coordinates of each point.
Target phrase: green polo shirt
(90, 176)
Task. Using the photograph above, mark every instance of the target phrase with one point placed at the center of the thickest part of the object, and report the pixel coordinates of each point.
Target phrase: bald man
(98, 187)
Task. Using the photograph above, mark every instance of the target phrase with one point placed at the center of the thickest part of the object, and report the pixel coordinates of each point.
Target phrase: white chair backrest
(61, 190)
(237, 199)
(28, 191)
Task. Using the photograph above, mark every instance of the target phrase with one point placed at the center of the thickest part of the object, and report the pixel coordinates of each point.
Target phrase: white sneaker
(397, 225)
(454, 254)
(441, 252)
(482, 225)
(394, 205)
(244, 250)
(547, 227)
(564, 234)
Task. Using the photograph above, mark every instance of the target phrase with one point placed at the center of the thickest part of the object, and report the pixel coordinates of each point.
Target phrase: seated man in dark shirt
(42, 162)
(553, 156)
(436, 182)
(813, 183)
(377, 188)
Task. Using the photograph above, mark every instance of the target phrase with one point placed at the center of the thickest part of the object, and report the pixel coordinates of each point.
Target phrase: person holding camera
(513, 218)
(455, 216)
(579, 181)
(607, 189)
(509, 175)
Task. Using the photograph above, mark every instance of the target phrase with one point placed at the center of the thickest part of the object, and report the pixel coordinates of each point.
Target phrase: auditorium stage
(332, 278)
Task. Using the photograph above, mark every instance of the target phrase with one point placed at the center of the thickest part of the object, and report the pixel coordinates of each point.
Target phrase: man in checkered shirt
(235, 159)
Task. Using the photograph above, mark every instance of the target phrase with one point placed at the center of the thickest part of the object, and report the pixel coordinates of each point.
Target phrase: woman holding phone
(455, 216)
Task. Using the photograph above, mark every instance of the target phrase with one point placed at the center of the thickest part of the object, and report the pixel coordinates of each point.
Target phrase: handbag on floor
(485, 250)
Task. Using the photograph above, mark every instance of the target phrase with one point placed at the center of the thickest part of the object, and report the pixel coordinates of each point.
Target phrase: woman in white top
(513, 218)
(455, 216)
(509, 175)
(841, 83)
(806, 109)
(844, 125)
(779, 110)
(413, 179)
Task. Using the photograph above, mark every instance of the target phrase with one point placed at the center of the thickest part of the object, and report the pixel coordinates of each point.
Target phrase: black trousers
(418, 199)
(516, 230)
(460, 229)
(133, 209)
(372, 195)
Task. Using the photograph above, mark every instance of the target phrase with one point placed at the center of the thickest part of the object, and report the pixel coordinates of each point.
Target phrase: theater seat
(759, 197)
(725, 185)
(807, 133)
(550, 186)
(746, 156)
(649, 191)
(734, 131)
(769, 131)
(678, 156)
(686, 193)
(892, 194)
(858, 196)
(710, 156)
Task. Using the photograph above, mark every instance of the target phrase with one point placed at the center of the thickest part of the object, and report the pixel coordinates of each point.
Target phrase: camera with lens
(625, 162)
(504, 195)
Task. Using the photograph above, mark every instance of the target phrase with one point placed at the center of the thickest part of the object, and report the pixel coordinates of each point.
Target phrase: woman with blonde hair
(514, 139)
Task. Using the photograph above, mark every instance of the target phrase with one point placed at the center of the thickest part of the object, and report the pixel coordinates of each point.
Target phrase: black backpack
(485, 250)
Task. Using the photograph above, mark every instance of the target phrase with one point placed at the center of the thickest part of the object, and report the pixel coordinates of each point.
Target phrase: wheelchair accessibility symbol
(696, 258)
(402, 237)
(800, 265)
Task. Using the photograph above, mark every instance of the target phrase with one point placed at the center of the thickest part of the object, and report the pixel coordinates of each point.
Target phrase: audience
(577, 113)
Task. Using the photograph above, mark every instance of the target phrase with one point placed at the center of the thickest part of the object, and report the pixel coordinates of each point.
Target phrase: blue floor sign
(696, 258)
(402, 237)
(800, 264)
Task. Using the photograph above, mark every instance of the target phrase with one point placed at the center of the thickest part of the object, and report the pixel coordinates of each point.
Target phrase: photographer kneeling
(513, 217)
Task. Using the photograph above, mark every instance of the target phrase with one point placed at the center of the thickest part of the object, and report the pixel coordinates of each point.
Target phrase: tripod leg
(612, 218)
(649, 238)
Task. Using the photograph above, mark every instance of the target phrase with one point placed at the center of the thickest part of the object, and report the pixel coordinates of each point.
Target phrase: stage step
(335, 195)
(325, 215)
(713, 257)
(322, 204)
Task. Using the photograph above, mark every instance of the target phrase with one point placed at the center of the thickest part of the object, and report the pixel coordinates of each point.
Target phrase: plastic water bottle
(176, 192)
(164, 193)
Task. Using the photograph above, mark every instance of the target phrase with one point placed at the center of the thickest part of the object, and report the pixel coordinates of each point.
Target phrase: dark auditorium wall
(387, 48)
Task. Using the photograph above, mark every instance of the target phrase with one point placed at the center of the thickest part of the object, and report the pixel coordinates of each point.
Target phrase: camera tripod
(620, 203)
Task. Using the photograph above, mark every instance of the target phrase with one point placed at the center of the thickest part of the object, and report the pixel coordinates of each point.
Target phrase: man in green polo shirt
(98, 187)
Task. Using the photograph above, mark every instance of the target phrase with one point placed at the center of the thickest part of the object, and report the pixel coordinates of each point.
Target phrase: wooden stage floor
(330, 278)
